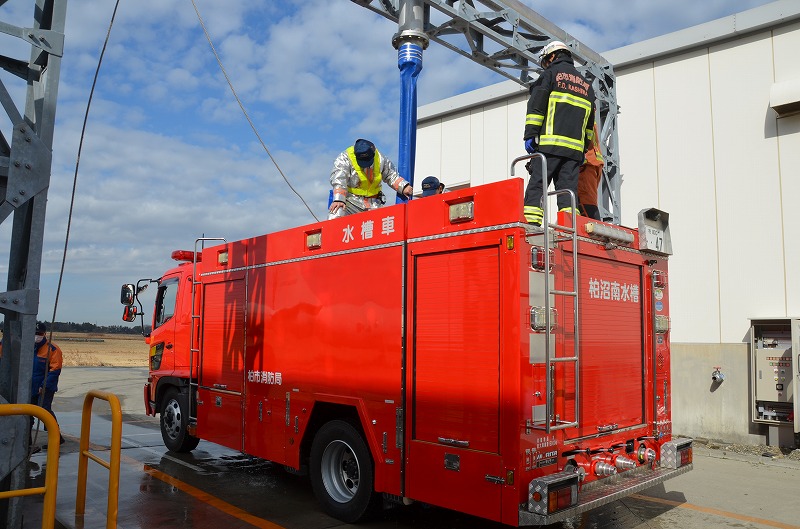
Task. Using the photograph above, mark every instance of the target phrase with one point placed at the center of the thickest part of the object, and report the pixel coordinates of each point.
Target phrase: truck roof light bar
(186, 255)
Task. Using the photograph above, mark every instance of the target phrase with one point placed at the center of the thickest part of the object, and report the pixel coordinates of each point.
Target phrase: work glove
(530, 145)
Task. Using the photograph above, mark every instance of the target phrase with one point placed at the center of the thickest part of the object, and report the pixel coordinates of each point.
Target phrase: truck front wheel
(342, 472)
(175, 421)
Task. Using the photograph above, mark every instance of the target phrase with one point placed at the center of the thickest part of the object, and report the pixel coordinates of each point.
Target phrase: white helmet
(551, 47)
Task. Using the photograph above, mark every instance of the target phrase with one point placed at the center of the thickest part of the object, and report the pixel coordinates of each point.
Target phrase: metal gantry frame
(25, 164)
(506, 36)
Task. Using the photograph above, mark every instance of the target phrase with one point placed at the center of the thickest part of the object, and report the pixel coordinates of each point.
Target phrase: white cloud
(168, 156)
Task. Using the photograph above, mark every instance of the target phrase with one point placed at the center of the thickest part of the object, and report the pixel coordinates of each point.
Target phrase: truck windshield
(165, 301)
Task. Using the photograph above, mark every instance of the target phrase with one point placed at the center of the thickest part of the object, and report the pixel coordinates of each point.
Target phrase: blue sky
(169, 157)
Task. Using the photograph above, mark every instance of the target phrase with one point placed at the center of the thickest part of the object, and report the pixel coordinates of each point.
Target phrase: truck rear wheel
(175, 422)
(342, 472)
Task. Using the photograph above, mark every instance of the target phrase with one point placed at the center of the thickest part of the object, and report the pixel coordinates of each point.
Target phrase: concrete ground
(214, 487)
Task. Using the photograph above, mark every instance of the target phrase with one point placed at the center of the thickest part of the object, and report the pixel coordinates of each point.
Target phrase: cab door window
(166, 300)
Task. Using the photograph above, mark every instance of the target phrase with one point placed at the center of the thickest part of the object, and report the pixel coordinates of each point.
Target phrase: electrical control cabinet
(773, 359)
(775, 376)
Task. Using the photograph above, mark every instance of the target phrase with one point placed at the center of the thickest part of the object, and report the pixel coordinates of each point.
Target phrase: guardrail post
(51, 473)
(85, 455)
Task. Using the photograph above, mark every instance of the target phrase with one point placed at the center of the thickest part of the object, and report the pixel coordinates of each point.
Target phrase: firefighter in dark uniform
(559, 124)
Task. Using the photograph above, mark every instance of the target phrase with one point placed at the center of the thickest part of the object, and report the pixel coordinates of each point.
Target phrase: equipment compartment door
(612, 349)
(455, 387)
(222, 363)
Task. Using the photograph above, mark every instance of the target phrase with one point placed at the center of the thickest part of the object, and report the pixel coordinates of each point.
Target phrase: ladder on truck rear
(554, 234)
(194, 336)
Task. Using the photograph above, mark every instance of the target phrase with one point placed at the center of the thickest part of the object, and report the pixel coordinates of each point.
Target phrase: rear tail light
(552, 493)
(676, 453)
(559, 499)
(659, 279)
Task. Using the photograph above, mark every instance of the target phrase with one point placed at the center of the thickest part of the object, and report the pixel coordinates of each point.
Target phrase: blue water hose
(409, 61)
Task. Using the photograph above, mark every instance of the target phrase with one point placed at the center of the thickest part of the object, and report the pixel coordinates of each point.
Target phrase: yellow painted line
(717, 512)
(203, 496)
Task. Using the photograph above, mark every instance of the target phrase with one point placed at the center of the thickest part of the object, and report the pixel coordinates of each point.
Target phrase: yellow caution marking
(716, 512)
(205, 497)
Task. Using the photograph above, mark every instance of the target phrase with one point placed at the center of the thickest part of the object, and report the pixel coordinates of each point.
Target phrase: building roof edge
(703, 35)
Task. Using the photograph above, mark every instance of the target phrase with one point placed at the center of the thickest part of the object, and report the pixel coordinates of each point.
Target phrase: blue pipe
(409, 61)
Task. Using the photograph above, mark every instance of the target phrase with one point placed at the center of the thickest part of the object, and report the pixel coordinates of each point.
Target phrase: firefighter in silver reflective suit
(356, 179)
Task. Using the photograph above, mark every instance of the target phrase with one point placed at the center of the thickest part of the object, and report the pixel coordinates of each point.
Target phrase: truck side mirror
(127, 295)
(129, 313)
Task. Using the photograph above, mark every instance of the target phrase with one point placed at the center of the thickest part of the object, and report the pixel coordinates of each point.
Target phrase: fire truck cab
(441, 351)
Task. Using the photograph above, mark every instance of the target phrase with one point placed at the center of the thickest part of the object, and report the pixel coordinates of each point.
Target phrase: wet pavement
(216, 488)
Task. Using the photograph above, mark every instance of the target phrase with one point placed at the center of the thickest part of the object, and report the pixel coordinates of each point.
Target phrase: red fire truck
(440, 351)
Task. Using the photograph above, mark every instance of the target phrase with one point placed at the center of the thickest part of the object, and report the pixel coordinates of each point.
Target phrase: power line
(77, 164)
(252, 126)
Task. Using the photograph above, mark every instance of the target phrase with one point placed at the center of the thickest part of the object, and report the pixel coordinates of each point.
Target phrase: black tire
(174, 422)
(342, 472)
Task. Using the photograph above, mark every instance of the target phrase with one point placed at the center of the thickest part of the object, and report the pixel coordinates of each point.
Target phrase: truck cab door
(162, 337)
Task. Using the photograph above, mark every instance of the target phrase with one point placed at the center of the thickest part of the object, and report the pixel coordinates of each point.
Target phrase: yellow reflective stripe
(561, 141)
(534, 218)
(365, 188)
(566, 210)
(551, 110)
(562, 97)
(548, 138)
(590, 134)
(534, 119)
(533, 213)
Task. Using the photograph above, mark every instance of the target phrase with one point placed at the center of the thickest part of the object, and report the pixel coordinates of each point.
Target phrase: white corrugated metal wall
(698, 138)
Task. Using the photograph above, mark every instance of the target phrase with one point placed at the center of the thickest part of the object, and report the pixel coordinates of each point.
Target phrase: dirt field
(118, 350)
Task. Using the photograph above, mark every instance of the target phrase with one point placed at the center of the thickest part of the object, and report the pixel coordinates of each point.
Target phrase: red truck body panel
(419, 328)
